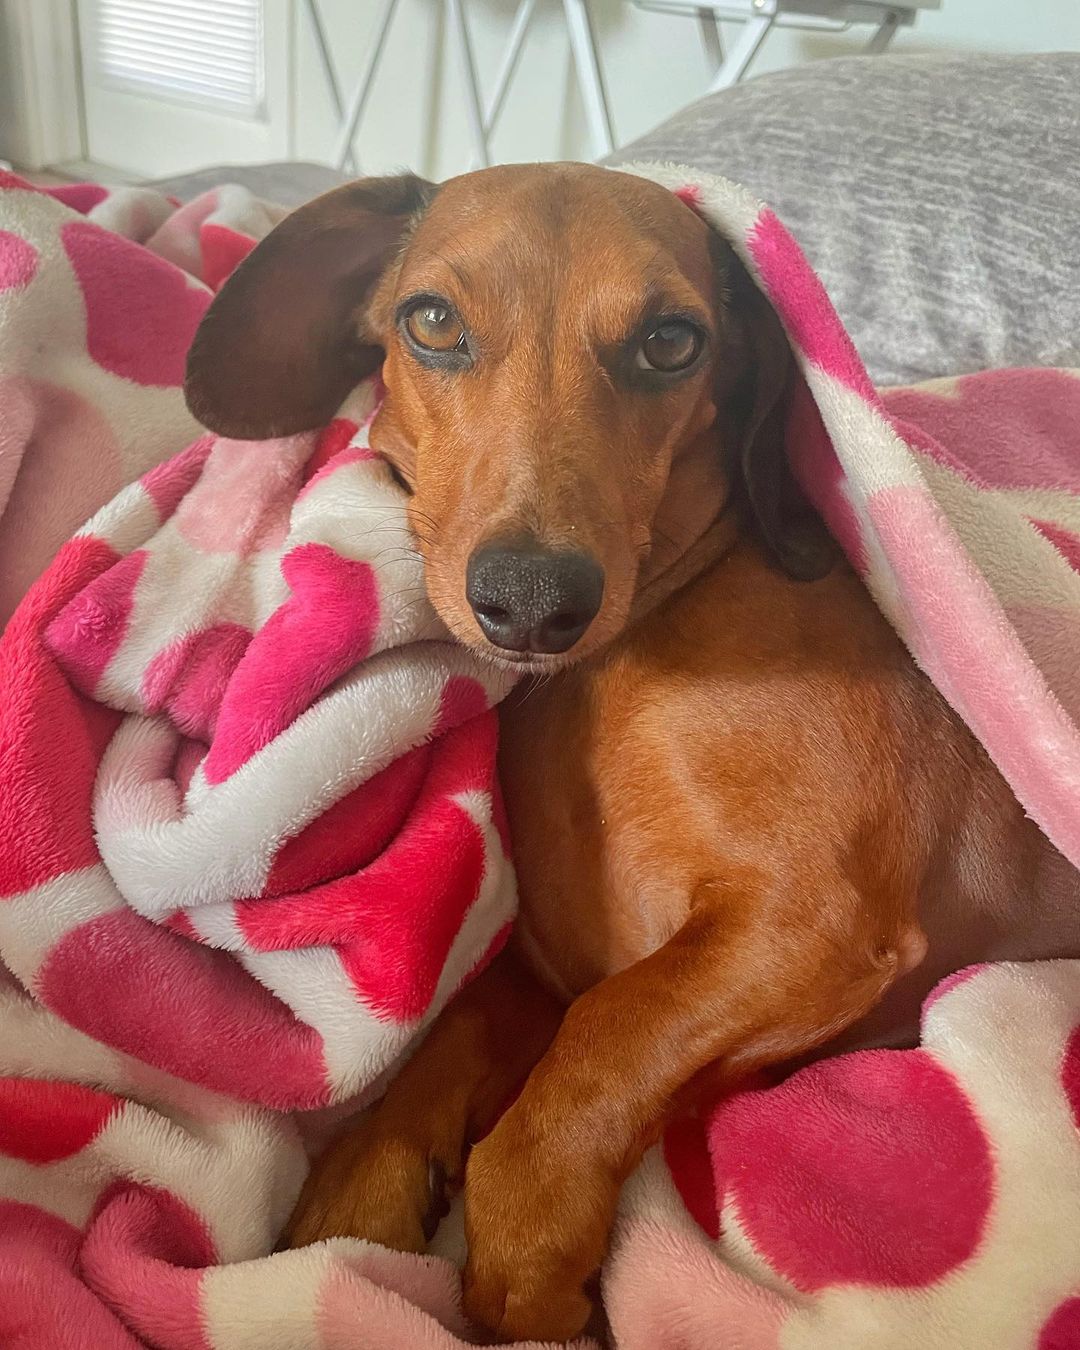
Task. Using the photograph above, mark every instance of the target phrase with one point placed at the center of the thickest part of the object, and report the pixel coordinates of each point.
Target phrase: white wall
(653, 64)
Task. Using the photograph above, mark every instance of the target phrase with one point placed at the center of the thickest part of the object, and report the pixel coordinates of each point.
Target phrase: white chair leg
(590, 81)
(754, 32)
(359, 99)
(511, 57)
(711, 37)
(333, 85)
(882, 39)
(473, 106)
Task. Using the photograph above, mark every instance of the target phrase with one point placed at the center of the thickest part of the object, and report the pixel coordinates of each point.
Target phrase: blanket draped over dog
(250, 844)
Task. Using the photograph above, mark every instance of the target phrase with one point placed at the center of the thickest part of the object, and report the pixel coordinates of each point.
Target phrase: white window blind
(208, 52)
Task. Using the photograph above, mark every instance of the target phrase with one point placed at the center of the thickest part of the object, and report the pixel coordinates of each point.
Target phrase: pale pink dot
(1061, 1331)
(241, 502)
(189, 755)
(667, 1289)
(141, 311)
(804, 305)
(871, 1168)
(18, 261)
(1070, 1074)
(62, 460)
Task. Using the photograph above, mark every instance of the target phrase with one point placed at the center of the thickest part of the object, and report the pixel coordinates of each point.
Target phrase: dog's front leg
(733, 990)
(387, 1176)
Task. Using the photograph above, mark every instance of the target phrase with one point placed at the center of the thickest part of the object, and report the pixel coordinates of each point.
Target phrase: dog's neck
(695, 525)
(709, 547)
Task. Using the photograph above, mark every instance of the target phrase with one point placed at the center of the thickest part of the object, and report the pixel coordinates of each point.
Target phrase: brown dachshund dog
(745, 825)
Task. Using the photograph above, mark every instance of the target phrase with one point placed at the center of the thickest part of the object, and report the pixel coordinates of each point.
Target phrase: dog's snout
(530, 599)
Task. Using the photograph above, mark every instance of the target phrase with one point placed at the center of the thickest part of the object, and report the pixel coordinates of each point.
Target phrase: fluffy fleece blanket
(250, 844)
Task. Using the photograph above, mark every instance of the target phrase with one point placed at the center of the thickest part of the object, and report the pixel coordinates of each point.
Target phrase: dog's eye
(670, 346)
(435, 327)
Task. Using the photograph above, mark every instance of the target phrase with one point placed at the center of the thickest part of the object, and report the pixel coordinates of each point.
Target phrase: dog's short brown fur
(745, 825)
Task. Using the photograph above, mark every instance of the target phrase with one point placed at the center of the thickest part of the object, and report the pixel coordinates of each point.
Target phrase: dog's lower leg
(388, 1174)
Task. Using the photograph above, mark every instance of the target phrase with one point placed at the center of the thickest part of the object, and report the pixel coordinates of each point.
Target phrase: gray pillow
(937, 196)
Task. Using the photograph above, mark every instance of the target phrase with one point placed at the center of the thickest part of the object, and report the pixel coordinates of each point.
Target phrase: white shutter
(209, 52)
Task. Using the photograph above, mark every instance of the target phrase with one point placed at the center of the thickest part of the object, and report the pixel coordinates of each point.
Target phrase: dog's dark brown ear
(790, 528)
(284, 342)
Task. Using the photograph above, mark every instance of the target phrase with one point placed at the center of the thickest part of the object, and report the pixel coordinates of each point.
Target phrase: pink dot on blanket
(1062, 1329)
(87, 633)
(191, 1010)
(333, 438)
(188, 678)
(146, 1252)
(44, 1121)
(223, 250)
(18, 261)
(141, 311)
(1070, 1076)
(462, 698)
(871, 1168)
(686, 1152)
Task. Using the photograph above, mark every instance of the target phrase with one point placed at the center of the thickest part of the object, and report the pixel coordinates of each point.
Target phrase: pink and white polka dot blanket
(250, 844)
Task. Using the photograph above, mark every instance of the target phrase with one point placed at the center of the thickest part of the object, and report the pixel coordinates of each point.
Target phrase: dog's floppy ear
(789, 527)
(283, 342)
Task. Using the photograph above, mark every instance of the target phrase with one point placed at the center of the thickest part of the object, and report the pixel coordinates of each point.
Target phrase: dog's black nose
(529, 599)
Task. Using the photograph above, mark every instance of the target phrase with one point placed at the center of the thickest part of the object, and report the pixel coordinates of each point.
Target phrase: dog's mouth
(526, 663)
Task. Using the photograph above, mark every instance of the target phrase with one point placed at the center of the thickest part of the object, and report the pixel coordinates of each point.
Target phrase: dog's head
(580, 375)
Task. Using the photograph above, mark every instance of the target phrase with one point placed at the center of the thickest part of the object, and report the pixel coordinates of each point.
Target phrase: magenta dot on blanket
(1062, 1330)
(804, 305)
(871, 1169)
(87, 632)
(1070, 1077)
(223, 250)
(43, 1121)
(18, 261)
(188, 678)
(332, 440)
(141, 311)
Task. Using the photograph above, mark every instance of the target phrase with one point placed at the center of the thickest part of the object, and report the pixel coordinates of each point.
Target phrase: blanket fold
(251, 843)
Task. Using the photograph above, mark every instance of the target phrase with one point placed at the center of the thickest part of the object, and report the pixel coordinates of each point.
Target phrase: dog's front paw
(537, 1221)
(374, 1185)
